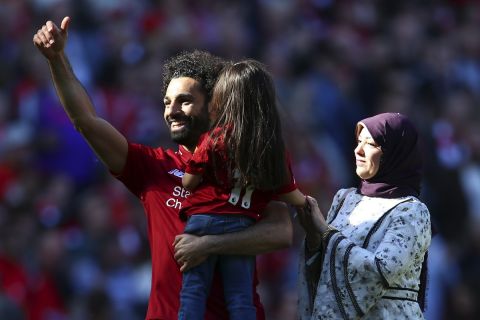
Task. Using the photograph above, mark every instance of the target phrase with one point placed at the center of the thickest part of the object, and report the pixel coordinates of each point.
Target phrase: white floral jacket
(371, 267)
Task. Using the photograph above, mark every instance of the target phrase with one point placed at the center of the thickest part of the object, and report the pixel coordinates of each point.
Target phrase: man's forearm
(273, 232)
(109, 144)
(72, 94)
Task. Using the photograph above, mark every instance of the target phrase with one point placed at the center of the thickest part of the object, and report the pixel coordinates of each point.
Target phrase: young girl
(237, 168)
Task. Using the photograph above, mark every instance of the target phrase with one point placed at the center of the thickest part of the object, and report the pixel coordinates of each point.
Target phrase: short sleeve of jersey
(198, 163)
(138, 167)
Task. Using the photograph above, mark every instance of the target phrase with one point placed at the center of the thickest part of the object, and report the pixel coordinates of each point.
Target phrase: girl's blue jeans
(236, 271)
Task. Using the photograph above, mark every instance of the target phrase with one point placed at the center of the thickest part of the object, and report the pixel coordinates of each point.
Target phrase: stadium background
(73, 240)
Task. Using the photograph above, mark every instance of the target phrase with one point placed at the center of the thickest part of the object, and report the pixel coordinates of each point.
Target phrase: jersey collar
(185, 155)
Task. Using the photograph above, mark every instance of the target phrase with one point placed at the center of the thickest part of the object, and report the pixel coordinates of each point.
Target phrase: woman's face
(367, 155)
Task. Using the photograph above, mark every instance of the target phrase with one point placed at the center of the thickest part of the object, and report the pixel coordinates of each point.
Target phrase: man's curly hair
(199, 65)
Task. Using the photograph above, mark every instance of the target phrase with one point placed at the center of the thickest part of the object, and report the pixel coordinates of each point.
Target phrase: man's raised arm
(108, 143)
(273, 232)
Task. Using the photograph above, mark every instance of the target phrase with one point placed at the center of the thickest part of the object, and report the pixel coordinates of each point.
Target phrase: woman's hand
(312, 221)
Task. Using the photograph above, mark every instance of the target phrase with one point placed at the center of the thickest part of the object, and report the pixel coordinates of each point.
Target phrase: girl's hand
(312, 221)
(311, 218)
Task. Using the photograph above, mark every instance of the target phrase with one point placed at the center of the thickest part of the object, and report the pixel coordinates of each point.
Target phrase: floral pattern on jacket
(371, 267)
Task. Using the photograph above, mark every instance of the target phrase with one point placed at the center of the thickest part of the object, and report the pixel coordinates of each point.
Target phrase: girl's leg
(237, 276)
(197, 281)
(196, 285)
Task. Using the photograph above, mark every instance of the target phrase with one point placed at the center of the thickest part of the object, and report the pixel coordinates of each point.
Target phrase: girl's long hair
(245, 106)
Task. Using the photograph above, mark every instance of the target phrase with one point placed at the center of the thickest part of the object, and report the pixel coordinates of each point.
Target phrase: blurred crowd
(73, 239)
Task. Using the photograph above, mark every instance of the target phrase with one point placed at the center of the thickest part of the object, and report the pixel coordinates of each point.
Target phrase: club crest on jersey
(176, 173)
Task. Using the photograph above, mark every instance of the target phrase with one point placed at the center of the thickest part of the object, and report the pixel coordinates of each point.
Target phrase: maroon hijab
(400, 169)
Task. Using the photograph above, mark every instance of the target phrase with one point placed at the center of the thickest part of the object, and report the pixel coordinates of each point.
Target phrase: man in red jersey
(154, 174)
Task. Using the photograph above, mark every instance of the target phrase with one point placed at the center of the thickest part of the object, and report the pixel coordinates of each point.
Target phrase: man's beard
(193, 128)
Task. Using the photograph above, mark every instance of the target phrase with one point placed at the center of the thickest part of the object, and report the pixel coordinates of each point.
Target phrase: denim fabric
(236, 271)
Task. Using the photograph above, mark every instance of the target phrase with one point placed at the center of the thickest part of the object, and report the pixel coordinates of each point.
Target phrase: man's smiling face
(186, 111)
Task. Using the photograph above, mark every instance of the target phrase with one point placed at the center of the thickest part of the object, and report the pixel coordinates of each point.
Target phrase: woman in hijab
(366, 260)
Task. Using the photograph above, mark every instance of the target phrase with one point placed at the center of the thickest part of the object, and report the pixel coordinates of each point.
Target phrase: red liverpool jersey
(216, 194)
(154, 175)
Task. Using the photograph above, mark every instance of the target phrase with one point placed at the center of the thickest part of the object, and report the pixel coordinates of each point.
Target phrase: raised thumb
(65, 24)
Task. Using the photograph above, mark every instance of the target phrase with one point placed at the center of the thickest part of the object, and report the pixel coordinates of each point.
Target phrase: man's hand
(190, 250)
(50, 39)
